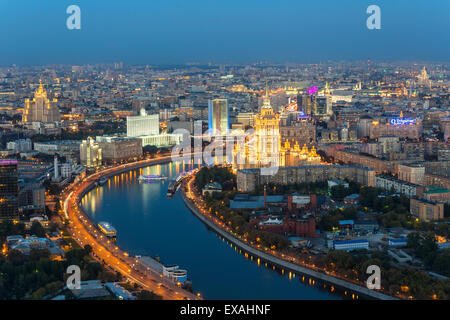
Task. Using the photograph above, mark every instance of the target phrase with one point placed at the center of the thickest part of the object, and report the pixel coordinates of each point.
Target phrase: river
(148, 223)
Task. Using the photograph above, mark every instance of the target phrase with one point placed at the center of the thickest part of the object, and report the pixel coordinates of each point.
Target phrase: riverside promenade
(84, 231)
(338, 283)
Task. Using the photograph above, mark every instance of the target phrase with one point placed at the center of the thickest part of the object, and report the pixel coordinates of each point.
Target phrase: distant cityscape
(360, 153)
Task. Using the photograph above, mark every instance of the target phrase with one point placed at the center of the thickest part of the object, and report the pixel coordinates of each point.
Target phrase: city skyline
(249, 151)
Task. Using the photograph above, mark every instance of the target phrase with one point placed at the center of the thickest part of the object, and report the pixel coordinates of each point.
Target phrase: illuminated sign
(312, 90)
(6, 162)
(292, 106)
(302, 115)
(401, 121)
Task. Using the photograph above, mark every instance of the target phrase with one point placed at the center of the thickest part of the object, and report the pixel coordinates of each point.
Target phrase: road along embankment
(289, 266)
(112, 255)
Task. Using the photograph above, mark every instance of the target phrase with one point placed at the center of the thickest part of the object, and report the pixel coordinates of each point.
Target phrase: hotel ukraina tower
(264, 149)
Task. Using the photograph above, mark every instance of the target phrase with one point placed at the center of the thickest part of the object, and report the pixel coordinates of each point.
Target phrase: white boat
(151, 177)
(107, 229)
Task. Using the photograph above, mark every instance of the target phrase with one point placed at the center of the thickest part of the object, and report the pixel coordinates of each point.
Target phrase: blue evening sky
(228, 31)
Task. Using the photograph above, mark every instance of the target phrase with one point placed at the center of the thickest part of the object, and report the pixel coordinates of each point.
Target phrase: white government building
(146, 128)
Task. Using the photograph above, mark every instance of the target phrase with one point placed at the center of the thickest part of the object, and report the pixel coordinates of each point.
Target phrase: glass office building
(218, 116)
(9, 190)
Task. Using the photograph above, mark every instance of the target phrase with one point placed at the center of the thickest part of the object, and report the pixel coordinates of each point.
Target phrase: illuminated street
(86, 233)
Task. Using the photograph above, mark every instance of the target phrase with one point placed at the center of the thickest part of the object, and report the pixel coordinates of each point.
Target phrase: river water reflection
(148, 223)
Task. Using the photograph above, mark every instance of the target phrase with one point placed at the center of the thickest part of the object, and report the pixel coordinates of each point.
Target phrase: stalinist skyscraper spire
(41, 109)
(423, 79)
(266, 103)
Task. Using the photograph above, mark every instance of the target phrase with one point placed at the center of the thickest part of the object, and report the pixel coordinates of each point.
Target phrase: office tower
(55, 169)
(31, 199)
(363, 126)
(305, 104)
(218, 117)
(9, 190)
(143, 125)
(322, 105)
(41, 109)
(90, 153)
(447, 132)
(116, 149)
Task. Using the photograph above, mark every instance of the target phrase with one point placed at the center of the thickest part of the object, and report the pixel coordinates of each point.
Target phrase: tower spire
(266, 98)
(267, 90)
(41, 88)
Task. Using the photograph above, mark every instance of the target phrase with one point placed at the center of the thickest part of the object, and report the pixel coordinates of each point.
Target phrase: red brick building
(302, 227)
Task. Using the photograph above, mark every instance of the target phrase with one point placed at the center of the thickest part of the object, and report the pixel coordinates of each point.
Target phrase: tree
(38, 254)
(37, 229)
(446, 210)
(217, 174)
(75, 256)
(413, 240)
(87, 249)
(148, 295)
(53, 226)
(428, 250)
(16, 257)
(339, 192)
(442, 263)
(150, 150)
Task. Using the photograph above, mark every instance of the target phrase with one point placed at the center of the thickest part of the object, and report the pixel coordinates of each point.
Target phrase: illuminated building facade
(302, 132)
(413, 173)
(312, 104)
(305, 104)
(249, 179)
(423, 79)
(322, 106)
(272, 145)
(146, 128)
(218, 116)
(267, 132)
(398, 127)
(293, 155)
(41, 109)
(142, 125)
(117, 149)
(426, 210)
(90, 153)
(9, 190)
